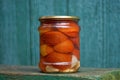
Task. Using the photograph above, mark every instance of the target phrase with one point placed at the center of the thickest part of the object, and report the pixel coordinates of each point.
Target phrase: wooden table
(33, 73)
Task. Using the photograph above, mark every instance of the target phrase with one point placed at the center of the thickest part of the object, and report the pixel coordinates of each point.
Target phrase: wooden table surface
(33, 73)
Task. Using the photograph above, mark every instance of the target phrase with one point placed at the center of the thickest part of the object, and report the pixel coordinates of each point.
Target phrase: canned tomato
(59, 44)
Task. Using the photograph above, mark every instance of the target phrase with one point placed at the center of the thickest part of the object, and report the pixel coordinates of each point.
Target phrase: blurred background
(99, 21)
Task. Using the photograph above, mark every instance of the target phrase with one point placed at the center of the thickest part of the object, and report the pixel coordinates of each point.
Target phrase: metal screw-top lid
(59, 18)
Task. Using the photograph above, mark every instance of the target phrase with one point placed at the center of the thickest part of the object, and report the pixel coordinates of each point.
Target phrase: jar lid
(59, 18)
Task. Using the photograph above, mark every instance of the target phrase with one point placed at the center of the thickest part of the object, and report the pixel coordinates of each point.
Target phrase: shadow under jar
(59, 44)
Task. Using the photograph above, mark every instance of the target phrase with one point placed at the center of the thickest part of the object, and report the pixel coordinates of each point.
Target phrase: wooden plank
(7, 32)
(90, 13)
(1, 32)
(60, 7)
(111, 33)
(14, 32)
(23, 32)
(32, 73)
(42, 8)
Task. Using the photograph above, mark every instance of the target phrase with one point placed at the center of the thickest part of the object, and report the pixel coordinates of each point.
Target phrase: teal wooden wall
(100, 30)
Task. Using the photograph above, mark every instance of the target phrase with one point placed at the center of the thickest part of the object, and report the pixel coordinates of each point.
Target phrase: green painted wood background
(100, 30)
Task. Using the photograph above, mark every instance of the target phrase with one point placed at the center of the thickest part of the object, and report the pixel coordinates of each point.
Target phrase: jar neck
(57, 21)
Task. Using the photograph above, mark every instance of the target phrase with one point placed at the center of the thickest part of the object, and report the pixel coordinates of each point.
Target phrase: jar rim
(59, 18)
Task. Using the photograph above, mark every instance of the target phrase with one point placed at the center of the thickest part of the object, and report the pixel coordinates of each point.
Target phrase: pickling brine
(59, 44)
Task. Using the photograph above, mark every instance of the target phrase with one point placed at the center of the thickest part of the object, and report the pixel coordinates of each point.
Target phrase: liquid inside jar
(59, 46)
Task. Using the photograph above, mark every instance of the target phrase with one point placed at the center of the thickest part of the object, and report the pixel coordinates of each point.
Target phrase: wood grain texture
(14, 32)
(23, 32)
(111, 31)
(60, 7)
(33, 73)
(100, 31)
(7, 35)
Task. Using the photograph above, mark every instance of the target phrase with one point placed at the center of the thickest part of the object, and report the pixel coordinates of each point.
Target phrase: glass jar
(59, 44)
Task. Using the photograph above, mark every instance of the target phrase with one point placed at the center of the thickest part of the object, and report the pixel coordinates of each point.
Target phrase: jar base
(51, 69)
